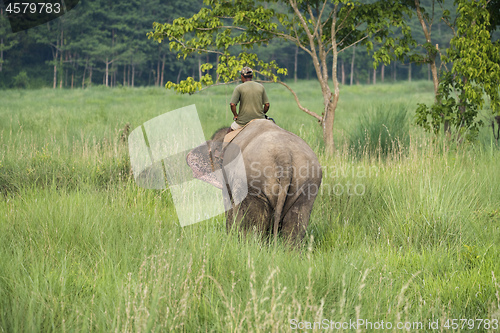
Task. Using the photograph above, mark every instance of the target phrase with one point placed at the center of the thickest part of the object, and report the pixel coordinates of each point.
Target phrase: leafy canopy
(319, 28)
(474, 76)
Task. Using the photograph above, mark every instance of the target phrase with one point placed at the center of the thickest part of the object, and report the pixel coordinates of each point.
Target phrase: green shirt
(251, 96)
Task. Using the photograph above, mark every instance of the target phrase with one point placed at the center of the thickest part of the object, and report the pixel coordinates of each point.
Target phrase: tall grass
(411, 235)
(381, 131)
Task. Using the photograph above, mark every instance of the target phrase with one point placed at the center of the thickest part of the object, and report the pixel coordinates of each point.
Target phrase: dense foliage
(474, 76)
(322, 29)
(99, 34)
(98, 42)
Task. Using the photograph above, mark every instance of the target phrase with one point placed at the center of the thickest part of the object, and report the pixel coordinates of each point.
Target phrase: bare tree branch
(222, 27)
(318, 25)
(216, 84)
(195, 49)
(295, 39)
(342, 41)
(342, 23)
(306, 110)
(312, 44)
(356, 42)
(427, 33)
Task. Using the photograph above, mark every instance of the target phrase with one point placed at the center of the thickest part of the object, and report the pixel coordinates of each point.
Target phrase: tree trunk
(331, 106)
(85, 70)
(179, 75)
(55, 55)
(382, 70)
(461, 108)
(328, 126)
(217, 70)
(352, 63)
(432, 55)
(295, 64)
(343, 73)
(199, 68)
(128, 75)
(124, 75)
(1, 54)
(133, 74)
(73, 61)
(162, 70)
(394, 72)
(409, 72)
(90, 76)
(107, 71)
(374, 76)
(157, 79)
(61, 73)
(55, 76)
(330, 98)
(435, 79)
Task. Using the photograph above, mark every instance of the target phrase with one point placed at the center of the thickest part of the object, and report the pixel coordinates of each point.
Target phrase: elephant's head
(210, 159)
(205, 161)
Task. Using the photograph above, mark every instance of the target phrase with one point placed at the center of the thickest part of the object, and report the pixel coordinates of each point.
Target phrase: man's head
(246, 74)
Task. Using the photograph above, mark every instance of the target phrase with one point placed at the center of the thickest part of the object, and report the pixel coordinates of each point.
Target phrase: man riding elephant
(275, 193)
(253, 100)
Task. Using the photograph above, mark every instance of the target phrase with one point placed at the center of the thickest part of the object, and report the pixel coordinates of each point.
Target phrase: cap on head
(246, 71)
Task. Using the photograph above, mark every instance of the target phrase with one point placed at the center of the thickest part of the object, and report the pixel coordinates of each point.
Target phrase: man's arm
(235, 98)
(265, 100)
(266, 108)
(233, 110)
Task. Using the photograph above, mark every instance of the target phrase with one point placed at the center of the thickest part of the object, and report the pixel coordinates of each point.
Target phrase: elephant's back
(268, 147)
(262, 136)
(272, 153)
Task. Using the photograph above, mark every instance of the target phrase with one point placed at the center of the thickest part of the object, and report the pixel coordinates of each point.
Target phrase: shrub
(21, 80)
(381, 131)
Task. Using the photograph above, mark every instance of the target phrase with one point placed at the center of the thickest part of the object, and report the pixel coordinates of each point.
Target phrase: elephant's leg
(251, 215)
(296, 220)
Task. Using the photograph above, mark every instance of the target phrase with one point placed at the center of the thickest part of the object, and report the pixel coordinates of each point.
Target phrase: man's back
(251, 96)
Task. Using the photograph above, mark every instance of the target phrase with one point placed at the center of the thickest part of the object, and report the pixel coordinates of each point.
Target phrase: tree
(426, 20)
(7, 38)
(475, 73)
(52, 34)
(322, 29)
(104, 41)
(426, 23)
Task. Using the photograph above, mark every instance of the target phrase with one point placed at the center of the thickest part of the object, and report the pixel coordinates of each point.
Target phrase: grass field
(405, 231)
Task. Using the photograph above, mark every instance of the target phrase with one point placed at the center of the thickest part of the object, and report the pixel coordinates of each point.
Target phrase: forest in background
(104, 43)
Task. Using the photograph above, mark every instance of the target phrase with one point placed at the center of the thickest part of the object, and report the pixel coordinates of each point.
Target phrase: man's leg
(235, 126)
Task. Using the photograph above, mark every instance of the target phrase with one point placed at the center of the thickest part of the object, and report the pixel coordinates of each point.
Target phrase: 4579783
(471, 324)
(33, 8)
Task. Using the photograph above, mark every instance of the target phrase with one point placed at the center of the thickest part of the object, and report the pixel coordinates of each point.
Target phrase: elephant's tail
(284, 184)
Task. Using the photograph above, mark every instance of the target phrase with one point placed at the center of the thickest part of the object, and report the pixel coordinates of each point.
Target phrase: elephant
(283, 177)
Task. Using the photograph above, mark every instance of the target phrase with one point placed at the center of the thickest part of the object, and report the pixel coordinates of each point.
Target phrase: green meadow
(405, 230)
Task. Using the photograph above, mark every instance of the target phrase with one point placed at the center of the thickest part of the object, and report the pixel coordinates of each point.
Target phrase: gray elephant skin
(282, 173)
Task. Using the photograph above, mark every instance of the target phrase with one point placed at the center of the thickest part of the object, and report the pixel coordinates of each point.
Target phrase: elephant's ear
(199, 161)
